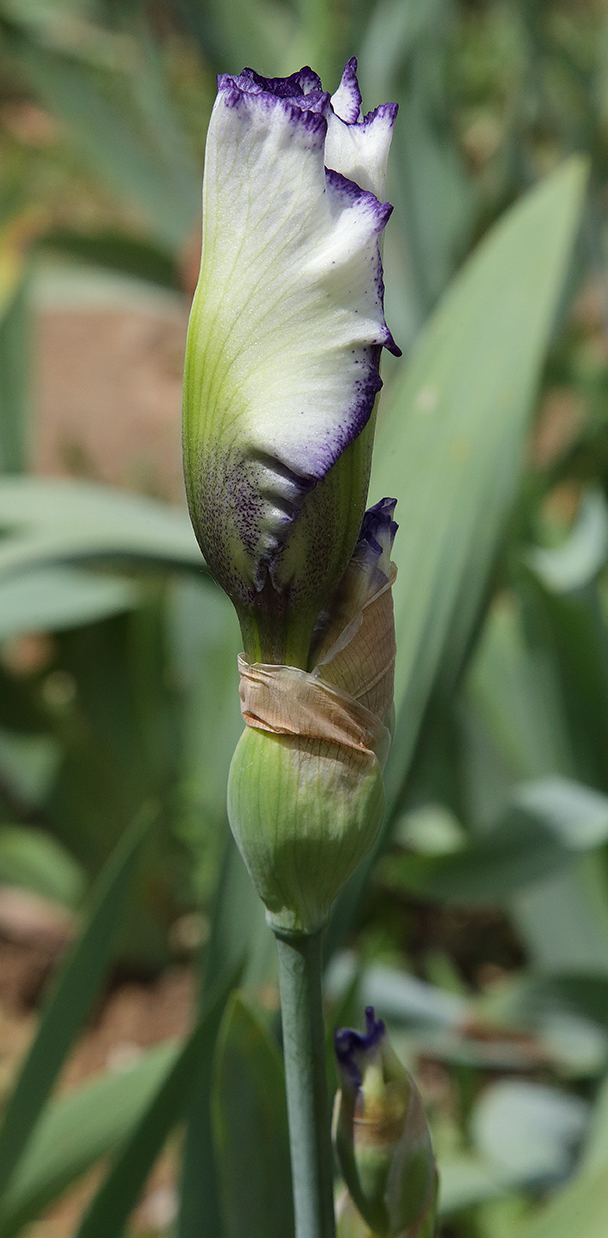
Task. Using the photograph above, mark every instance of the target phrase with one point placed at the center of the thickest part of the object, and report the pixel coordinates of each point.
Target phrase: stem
(300, 964)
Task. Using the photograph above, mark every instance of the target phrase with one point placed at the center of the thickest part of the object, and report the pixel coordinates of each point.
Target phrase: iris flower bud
(284, 343)
(305, 794)
(382, 1137)
(280, 383)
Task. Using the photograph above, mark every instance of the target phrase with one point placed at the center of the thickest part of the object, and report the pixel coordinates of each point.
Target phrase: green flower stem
(300, 967)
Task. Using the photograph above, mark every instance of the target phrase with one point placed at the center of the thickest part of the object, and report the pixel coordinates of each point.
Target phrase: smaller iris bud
(381, 1134)
(305, 793)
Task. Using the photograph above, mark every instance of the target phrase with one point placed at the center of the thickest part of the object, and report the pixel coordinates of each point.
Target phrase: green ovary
(304, 812)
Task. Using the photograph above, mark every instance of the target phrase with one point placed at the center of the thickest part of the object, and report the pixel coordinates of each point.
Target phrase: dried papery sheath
(284, 343)
(305, 794)
(382, 1137)
(355, 645)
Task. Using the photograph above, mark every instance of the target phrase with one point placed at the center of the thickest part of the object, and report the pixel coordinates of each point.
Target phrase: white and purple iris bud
(284, 344)
(381, 1136)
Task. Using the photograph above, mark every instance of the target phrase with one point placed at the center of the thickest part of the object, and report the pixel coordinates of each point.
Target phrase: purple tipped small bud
(355, 1050)
(382, 1137)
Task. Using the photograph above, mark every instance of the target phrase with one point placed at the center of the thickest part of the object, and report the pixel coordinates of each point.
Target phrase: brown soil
(133, 1017)
(108, 395)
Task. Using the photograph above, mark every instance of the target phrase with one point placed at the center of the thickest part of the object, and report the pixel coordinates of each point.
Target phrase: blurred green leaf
(549, 819)
(583, 994)
(499, 1218)
(235, 33)
(527, 1131)
(513, 855)
(73, 995)
(404, 57)
(580, 557)
(581, 1207)
(15, 236)
(28, 765)
(239, 935)
(118, 252)
(450, 445)
(137, 144)
(115, 714)
(207, 639)
(15, 369)
(239, 930)
(431, 829)
(76, 1131)
(51, 599)
(563, 919)
(434, 196)
(119, 1193)
(523, 1131)
(33, 859)
(467, 1179)
(349, 1222)
(516, 686)
(56, 521)
(394, 28)
(398, 995)
(204, 643)
(250, 1127)
(572, 631)
(577, 815)
(594, 1156)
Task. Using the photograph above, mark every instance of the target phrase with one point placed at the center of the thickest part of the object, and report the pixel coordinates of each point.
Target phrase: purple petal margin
(301, 94)
(349, 95)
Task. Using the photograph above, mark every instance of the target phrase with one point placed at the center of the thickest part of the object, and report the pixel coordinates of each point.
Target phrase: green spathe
(305, 791)
(303, 818)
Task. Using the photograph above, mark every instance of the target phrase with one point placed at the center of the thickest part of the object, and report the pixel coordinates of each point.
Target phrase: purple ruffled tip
(302, 89)
(353, 1048)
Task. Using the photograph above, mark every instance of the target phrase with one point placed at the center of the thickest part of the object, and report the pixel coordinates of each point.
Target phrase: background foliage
(479, 928)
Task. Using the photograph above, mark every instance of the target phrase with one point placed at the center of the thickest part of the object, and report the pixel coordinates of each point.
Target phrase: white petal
(347, 100)
(360, 151)
(287, 321)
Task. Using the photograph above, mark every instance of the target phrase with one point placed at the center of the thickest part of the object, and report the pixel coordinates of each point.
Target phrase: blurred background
(480, 930)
